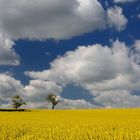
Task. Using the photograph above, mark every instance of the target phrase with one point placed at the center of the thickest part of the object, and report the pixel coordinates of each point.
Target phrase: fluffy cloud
(64, 104)
(34, 93)
(74, 104)
(116, 19)
(99, 69)
(110, 74)
(136, 52)
(42, 87)
(59, 19)
(123, 1)
(118, 98)
(8, 88)
(7, 54)
(37, 91)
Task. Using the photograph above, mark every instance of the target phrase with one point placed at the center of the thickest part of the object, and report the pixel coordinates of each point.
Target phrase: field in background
(98, 124)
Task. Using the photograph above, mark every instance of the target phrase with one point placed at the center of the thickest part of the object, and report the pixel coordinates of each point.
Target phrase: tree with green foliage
(53, 99)
(17, 102)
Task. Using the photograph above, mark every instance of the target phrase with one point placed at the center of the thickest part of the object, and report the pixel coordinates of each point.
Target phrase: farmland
(97, 124)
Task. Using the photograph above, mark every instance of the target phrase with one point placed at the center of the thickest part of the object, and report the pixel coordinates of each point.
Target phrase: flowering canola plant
(96, 124)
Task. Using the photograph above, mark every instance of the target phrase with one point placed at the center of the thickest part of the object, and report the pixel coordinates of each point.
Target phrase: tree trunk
(53, 107)
(16, 108)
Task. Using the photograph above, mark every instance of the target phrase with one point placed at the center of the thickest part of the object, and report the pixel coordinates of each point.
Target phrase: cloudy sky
(85, 51)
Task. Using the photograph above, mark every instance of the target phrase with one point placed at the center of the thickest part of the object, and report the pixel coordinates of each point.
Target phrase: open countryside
(97, 124)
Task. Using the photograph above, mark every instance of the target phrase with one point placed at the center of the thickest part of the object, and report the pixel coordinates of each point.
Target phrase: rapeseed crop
(98, 124)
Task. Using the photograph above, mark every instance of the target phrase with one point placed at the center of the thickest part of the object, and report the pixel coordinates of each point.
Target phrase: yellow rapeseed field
(98, 124)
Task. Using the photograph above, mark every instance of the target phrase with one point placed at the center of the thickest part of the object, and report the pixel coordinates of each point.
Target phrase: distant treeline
(11, 110)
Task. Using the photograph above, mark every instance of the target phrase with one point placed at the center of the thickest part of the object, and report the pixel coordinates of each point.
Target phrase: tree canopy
(53, 99)
(17, 102)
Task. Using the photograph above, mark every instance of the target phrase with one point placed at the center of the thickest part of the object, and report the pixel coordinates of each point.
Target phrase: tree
(17, 102)
(53, 99)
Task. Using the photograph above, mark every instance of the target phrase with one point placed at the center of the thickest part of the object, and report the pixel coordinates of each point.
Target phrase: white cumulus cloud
(34, 94)
(118, 98)
(59, 19)
(8, 88)
(74, 104)
(116, 19)
(99, 69)
(7, 54)
(136, 53)
(42, 87)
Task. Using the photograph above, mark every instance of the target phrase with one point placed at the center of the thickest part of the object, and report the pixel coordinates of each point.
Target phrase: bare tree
(17, 102)
(53, 99)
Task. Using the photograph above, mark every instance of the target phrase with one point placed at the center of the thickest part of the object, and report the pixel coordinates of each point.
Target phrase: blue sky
(41, 53)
